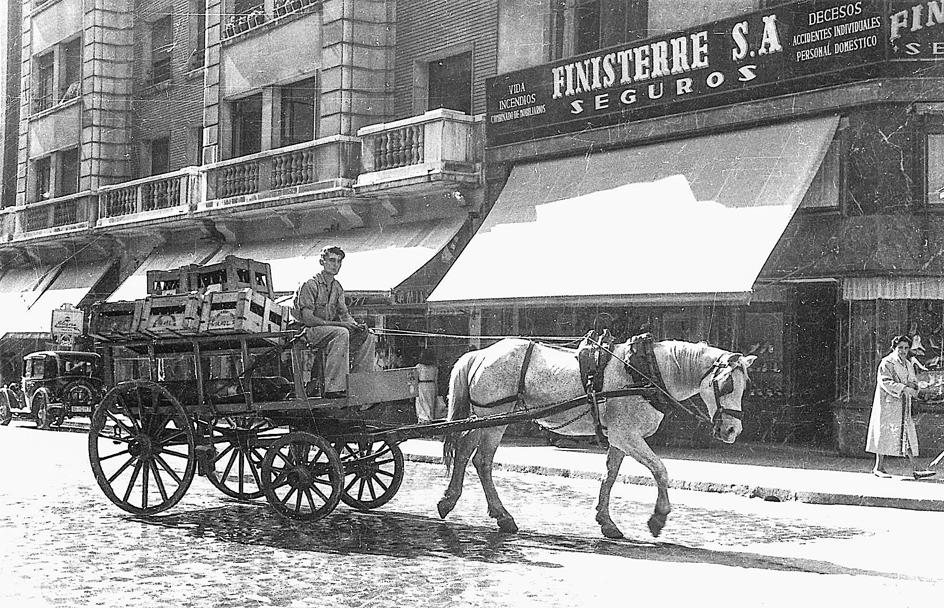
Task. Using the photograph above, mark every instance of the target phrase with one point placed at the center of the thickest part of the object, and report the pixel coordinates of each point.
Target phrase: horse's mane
(691, 359)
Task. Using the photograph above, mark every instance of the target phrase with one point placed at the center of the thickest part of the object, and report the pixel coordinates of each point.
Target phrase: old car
(55, 385)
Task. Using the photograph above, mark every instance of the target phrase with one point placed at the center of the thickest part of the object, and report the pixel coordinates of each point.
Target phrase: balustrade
(150, 194)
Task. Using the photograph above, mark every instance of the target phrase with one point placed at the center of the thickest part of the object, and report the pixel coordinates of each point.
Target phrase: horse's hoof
(444, 508)
(507, 525)
(611, 531)
(656, 523)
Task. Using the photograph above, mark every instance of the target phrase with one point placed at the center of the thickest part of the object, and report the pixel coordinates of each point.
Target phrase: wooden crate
(167, 282)
(171, 315)
(278, 316)
(233, 274)
(115, 320)
(243, 311)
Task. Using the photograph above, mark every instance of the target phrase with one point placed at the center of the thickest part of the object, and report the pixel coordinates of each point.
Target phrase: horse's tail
(460, 405)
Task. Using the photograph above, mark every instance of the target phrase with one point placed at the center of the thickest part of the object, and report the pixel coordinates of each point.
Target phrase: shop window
(247, 125)
(162, 43)
(70, 74)
(45, 82)
(298, 112)
(198, 11)
(450, 83)
(582, 26)
(159, 155)
(42, 170)
(68, 167)
(935, 168)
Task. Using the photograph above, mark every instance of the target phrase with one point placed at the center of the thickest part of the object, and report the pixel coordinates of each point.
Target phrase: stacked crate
(233, 274)
(171, 315)
(168, 282)
(244, 311)
(115, 320)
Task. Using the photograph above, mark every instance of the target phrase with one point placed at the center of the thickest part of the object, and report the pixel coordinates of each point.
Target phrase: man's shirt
(324, 296)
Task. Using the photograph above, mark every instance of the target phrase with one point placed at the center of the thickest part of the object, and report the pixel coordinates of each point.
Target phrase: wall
(171, 109)
(58, 21)
(425, 26)
(9, 98)
(521, 37)
(666, 16)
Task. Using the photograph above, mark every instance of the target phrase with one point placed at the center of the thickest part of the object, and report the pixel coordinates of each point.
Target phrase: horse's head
(721, 389)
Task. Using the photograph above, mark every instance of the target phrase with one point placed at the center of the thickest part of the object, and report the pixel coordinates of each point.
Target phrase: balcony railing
(307, 164)
(178, 191)
(439, 140)
(62, 214)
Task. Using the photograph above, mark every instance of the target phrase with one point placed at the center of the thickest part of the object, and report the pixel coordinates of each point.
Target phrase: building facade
(761, 175)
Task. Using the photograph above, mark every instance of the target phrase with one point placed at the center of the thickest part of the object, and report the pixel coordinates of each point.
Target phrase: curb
(766, 493)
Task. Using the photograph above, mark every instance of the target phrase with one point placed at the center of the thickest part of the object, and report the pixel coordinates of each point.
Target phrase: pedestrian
(319, 305)
(891, 426)
(427, 374)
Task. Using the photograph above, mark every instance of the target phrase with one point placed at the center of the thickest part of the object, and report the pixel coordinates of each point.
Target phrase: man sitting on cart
(319, 305)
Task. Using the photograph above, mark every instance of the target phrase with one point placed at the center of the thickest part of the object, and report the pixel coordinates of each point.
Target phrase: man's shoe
(335, 395)
(924, 474)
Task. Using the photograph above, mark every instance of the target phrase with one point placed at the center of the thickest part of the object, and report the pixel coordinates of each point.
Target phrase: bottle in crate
(232, 274)
(171, 315)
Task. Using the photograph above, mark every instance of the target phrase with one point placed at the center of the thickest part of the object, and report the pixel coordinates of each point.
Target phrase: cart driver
(319, 305)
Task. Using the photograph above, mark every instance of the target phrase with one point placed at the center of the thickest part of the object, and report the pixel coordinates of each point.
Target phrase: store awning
(688, 220)
(71, 282)
(377, 259)
(165, 257)
(19, 289)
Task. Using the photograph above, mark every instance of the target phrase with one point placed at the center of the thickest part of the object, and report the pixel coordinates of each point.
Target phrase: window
(70, 74)
(581, 26)
(450, 83)
(247, 126)
(935, 168)
(298, 112)
(160, 155)
(45, 82)
(824, 190)
(195, 145)
(162, 42)
(42, 167)
(68, 178)
(198, 33)
(242, 7)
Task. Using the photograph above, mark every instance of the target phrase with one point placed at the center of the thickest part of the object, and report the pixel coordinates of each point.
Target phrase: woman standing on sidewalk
(891, 426)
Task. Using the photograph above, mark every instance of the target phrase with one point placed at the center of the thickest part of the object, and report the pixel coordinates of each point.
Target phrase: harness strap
(518, 398)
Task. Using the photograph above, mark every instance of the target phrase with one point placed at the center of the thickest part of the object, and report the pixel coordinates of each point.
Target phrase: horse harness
(593, 355)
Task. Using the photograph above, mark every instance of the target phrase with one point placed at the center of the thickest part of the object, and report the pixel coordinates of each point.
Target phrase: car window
(77, 368)
(36, 368)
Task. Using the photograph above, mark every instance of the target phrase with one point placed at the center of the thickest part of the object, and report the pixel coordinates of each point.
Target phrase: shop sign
(67, 320)
(783, 49)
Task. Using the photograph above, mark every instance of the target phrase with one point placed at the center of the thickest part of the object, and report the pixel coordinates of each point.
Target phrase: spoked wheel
(239, 446)
(141, 447)
(373, 472)
(301, 476)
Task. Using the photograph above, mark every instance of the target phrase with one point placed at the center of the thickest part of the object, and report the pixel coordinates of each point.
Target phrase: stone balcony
(308, 174)
(438, 152)
(55, 218)
(441, 150)
(152, 200)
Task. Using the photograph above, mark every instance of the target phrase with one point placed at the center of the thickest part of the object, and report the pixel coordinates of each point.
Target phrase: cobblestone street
(63, 544)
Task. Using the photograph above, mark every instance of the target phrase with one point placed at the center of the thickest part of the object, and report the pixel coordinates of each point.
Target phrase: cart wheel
(301, 476)
(40, 408)
(239, 446)
(141, 447)
(373, 472)
(6, 406)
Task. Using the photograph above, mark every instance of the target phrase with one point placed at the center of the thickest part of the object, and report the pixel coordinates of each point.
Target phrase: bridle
(725, 387)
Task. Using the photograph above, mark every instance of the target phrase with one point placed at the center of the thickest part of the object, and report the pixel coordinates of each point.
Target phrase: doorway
(814, 368)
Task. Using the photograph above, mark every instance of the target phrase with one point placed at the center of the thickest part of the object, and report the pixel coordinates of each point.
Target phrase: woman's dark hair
(899, 339)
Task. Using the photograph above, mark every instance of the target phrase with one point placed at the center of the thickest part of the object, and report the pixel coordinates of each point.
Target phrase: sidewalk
(771, 472)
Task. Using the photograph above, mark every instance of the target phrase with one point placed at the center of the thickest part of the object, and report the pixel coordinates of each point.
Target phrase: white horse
(488, 378)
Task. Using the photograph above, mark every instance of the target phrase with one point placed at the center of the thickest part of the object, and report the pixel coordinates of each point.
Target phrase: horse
(481, 382)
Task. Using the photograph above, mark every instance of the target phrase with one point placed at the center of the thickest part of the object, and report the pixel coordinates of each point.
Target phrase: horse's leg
(614, 458)
(634, 445)
(464, 449)
(482, 460)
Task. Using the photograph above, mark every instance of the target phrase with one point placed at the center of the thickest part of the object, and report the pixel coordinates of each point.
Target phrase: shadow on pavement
(410, 536)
